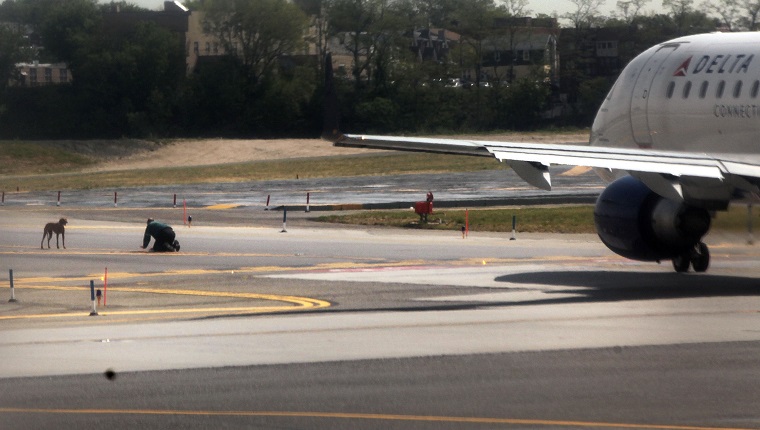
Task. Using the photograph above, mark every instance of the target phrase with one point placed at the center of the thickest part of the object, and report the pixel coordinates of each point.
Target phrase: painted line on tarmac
(222, 206)
(225, 311)
(296, 303)
(367, 416)
(347, 266)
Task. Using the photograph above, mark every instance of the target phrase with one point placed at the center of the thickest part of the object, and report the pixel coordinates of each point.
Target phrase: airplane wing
(664, 172)
(661, 170)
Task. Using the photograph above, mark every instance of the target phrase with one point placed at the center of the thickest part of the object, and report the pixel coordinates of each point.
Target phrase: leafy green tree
(368, 29)
(11, 52)
(133, 77)
(257, 31)
(476, 25)
(66, 27)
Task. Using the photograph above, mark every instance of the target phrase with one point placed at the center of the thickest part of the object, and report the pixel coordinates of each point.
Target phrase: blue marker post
(92, 298)
(13, 291)
(284, 220)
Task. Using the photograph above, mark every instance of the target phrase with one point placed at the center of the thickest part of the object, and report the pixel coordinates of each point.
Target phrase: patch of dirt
(137, 154)
(127, 154)
(222, 151)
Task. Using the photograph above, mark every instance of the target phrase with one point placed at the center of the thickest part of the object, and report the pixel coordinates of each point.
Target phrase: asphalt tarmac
(336, 327)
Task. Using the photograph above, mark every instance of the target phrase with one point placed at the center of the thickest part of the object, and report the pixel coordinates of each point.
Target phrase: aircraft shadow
(601, 286)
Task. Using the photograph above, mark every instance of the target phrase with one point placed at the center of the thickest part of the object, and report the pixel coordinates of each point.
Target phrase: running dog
(58, 229)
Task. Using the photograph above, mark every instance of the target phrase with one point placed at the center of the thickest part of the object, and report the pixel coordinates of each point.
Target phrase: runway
(369, 328)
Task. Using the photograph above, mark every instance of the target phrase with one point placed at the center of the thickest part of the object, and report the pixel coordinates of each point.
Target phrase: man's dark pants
(164, 240)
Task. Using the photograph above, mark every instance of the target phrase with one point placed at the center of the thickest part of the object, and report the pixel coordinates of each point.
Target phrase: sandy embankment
(222, 151)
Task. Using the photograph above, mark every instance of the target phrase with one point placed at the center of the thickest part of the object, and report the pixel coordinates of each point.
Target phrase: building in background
(37, 74)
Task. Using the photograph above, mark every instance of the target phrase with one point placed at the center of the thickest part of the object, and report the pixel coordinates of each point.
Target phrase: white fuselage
(697, 94)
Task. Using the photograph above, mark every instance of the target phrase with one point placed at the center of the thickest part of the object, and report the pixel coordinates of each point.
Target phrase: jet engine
(636, 223)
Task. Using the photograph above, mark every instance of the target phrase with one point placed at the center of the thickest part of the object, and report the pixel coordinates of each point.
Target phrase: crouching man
(165, 239)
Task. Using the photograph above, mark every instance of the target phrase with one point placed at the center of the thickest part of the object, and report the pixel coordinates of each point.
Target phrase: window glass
(755, 88)
(686, 89)
(737, 89)
(671, 88)
(703, 90)
(721, 88)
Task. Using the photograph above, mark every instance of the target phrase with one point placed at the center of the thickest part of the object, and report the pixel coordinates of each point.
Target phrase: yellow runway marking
(223, 206)
(301, 301)
(295, 303)
(361, 416)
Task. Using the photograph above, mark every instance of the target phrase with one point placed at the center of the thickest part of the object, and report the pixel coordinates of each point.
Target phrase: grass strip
(318, 167)
(555, 219)
(34, 158)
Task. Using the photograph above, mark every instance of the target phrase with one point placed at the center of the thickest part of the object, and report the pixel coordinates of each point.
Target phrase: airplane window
(737, 89)
(671, 88)
(686, 89)
(721, 87)
(703, 90)
(755, 89)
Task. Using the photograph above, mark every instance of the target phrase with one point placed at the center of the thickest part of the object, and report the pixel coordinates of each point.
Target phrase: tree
(680, 10)
(130, 81)
(476, 24)
(369, 30)
(67, 26)
(257, 31)
(726, 10)
(11, 43)
(630, 9)
(513, 10)
(747, 13)
(586, 13)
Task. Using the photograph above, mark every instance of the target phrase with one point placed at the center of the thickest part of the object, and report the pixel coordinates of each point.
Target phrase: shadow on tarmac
(606, 286)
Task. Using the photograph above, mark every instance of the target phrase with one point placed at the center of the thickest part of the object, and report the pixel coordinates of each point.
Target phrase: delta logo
(721, 63)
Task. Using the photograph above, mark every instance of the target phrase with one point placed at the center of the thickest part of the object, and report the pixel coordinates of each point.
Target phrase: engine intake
(636, 223)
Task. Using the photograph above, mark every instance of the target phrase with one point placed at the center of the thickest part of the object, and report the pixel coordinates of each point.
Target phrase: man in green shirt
(165, 238)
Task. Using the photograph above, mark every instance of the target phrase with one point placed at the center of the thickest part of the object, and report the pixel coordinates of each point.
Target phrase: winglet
(331, 119)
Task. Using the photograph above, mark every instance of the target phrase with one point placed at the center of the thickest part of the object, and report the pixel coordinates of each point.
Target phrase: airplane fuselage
(697, 93)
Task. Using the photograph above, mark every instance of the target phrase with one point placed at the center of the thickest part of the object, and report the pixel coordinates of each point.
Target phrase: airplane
(677, 138)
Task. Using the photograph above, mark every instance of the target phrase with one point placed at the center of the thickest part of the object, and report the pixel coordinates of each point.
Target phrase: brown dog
(58, 229)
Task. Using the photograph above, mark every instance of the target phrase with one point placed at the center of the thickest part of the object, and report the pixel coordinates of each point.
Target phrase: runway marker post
(58, 203)
(307, 202)
(92, 298)
(466, 222)
(750, 237)
(115, 199)
(266, 208)
(3, 202)
(514, 224)
(284, 220)
(175, 200)
(13, 290)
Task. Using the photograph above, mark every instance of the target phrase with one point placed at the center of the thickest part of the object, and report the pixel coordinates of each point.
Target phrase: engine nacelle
(637, 223)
